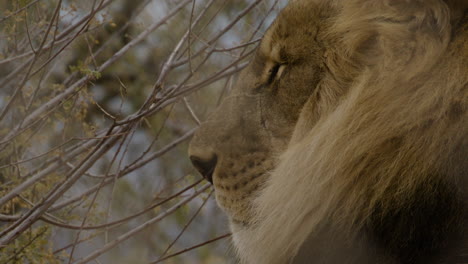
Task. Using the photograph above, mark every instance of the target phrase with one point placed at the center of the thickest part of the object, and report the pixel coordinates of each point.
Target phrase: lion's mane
(394, 147)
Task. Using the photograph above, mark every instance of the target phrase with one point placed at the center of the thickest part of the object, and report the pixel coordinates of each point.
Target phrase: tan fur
(367, 112)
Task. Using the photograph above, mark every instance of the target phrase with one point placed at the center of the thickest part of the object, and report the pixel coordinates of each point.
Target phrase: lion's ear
(413, 32)
(394, 33)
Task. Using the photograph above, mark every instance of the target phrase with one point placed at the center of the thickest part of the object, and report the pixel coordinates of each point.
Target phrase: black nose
(206, 167)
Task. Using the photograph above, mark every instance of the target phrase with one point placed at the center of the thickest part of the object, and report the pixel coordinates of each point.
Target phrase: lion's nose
(205, 166)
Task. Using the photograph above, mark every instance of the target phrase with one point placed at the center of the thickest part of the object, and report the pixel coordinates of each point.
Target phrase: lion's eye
(275, 72)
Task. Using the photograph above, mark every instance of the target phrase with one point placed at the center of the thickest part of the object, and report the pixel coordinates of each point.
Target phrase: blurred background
(98, 101)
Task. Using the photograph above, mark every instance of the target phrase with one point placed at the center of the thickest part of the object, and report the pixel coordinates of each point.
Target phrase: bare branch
(132, 232)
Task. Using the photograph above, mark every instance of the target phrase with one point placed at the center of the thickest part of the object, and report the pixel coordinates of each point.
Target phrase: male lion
(346, 138)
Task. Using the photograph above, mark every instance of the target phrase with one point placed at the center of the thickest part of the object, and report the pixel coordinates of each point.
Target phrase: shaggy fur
(357, 145)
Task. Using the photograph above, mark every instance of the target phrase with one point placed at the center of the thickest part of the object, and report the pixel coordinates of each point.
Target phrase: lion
(345, 140)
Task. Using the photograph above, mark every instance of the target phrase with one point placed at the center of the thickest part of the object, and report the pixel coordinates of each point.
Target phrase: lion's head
(352, 115)
(238, 145)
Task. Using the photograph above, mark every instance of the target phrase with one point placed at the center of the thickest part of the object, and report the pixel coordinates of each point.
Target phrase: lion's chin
(236, 218)
(235, 197)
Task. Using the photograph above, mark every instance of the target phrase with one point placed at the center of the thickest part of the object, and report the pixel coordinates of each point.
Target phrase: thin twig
(192, 247)
(139, 228)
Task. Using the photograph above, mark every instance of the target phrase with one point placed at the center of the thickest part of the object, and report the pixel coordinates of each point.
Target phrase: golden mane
(401, 129)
